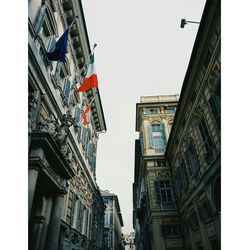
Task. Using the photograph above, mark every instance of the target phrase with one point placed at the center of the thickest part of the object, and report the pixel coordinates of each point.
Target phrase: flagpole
(91, 52)
(76, 17)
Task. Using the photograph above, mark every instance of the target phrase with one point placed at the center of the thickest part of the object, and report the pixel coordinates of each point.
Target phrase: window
(160, 163)
(205, 135)
(205, 211)
(74, 210)
(214, 102)
(170, 109)
(40, 18)
(181, 178)
(170, 229)
(67, 88)
(141, 142)
(157, 136)
(45, 26)
(108, 219)
(149, 111)
(164, 194)
(80, 217)
(78, 120)
(94, 163)
(85, 136)
(90, 152)
(192, 161)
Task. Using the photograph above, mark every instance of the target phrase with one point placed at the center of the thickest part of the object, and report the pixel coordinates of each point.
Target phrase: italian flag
(90, 80)
(86, 115)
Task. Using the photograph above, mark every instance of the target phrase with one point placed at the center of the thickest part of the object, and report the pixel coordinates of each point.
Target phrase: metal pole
(191, 22)
(91, 52)
(76, 17)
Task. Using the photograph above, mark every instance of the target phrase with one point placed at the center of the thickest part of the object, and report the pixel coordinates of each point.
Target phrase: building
(129, 241)
(113, 223)
(66, 210)
(153, 200)
(176, 194)
(193, 150)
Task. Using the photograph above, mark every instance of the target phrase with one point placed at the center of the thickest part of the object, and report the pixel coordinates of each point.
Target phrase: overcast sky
(141, 51)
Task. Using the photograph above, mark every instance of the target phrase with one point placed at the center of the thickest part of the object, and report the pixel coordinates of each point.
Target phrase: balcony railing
(167, 205)
(160, 150)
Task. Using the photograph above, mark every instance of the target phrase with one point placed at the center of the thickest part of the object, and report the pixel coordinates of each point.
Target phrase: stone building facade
(153, 195)
(129, 241)
(113, 223)
(176, 196)
(194, 146)
(66, 210)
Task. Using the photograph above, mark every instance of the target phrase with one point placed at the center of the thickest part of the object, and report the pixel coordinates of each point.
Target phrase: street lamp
(184, 22)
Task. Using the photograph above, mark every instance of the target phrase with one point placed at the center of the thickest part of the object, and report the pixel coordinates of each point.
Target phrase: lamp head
(183, 22)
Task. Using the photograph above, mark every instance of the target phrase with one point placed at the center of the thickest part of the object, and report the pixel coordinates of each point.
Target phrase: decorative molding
(162, 174)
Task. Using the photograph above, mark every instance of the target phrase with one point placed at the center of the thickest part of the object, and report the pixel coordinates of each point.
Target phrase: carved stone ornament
(48, 126)
(162, 174)
(197, 115)
(33, 109)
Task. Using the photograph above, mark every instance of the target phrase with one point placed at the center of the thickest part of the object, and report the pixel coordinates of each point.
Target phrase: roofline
(193, 59)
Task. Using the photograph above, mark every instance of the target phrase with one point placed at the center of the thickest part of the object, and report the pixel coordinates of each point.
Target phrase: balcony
(167, 206)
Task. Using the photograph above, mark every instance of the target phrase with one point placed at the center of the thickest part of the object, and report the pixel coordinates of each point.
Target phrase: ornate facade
(153, 199)
(113, 237)
(66, 210)
(176, 195)
(193, 150)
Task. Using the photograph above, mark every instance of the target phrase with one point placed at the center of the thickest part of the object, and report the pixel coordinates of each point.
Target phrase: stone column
(33, 174)
(55, 220)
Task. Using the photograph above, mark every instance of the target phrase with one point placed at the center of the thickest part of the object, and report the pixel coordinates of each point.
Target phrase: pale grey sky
(141, 51)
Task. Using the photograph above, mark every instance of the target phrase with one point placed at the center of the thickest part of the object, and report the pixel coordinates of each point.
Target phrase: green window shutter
(67, 87)
(40, 19)
(150, 137)
(58, 72)
(85, 136)
(164, 136)
(90, 152)
(78, 116)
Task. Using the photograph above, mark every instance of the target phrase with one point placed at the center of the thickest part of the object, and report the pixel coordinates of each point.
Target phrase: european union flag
(59, 52)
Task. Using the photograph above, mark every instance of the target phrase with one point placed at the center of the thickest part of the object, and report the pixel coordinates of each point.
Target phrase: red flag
(86, 115)
(90, 80)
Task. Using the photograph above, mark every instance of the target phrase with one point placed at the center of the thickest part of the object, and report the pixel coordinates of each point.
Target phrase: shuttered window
(164, 194)
(67, 88)
(78, 117)
(192, 161)
(214, 102)
(85, 136)
(205, 135)
(157, 135)
(40, 19)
